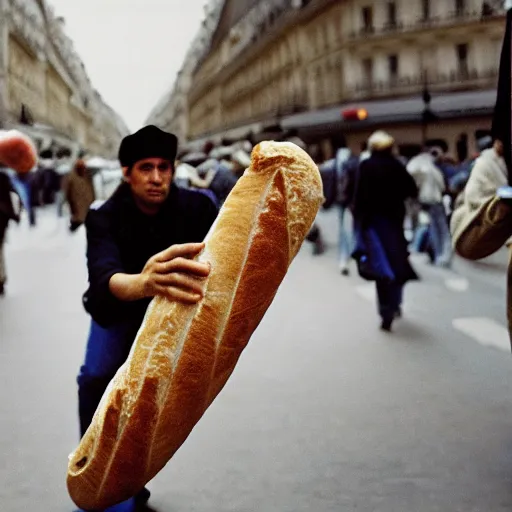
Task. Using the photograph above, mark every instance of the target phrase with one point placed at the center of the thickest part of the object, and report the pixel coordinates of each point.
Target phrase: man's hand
(173, 274)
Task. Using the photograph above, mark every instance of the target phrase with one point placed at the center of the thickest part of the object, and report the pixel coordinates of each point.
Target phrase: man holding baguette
(140, 244)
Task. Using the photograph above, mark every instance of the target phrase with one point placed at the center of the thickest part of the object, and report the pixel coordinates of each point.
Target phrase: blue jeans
(107, 350)
(346, 237)
(439, 232)
(24, 190)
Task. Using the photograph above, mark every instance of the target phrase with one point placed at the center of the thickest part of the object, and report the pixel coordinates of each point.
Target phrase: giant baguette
(183, 355)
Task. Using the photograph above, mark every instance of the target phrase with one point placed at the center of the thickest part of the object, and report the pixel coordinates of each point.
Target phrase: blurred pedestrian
(8, 212)
(482, 221)
(347, 168)
(431, 184)
(79, 193)
(382, 188)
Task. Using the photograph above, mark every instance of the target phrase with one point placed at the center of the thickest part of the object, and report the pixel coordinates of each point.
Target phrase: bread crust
(183, 355)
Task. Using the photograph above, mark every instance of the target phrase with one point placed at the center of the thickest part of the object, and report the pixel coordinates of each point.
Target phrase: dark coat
(383, 185)
(381, 252)
(379, 212)
(121, 239)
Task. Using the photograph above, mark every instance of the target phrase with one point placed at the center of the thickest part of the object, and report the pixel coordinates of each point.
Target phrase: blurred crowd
(215, 170)
(440, 178)
(47, 184)
(391, 205)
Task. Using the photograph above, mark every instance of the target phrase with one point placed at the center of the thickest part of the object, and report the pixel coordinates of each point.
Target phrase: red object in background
(354, 114)
(17, 151)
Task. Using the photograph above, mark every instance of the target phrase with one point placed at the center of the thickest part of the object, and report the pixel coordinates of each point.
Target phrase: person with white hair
(381, 251)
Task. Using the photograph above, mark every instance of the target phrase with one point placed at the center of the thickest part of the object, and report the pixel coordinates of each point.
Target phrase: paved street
(323, 413)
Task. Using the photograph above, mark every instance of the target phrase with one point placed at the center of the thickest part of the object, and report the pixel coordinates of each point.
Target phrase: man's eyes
(161, 168)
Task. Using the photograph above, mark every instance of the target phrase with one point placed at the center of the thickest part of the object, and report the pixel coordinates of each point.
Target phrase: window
(391, 14)
(426, 9)
(460, 7)
(393, 67)
(367, 13)
(368, 72)
(462, 58)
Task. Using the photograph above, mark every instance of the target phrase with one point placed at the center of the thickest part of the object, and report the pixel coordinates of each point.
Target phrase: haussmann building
(333, 71)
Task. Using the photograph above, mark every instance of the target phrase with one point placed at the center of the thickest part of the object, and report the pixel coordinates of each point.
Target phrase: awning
(407, 109)
(234, 134)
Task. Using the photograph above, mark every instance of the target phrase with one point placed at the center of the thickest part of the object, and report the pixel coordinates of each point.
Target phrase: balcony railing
(470, 79)
(432, 22)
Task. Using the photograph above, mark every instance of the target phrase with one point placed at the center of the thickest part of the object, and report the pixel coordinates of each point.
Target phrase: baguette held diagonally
(184, 354)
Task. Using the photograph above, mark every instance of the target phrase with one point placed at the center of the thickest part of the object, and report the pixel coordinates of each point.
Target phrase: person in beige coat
(79, 193)
(482, 220)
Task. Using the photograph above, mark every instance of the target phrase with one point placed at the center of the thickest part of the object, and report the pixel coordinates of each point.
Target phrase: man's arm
(127, 287)
(103, 261)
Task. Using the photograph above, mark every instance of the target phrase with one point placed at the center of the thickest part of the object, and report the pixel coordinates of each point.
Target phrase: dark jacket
(121, 239)
(383, 185)
(381, 251)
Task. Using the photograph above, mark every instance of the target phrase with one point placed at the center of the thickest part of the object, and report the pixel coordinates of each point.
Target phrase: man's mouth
(155, 193)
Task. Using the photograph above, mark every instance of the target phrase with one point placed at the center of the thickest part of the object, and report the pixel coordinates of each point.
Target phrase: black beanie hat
(148, 142)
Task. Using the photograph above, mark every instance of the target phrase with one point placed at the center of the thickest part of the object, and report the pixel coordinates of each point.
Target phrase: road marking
(367, 292)
(457, 284)
(485, 331)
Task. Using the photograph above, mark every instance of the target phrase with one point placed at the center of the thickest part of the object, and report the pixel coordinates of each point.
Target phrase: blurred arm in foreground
(482, 221)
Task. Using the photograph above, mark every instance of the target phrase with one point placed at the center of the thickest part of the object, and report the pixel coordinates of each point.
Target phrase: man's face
(150, 180)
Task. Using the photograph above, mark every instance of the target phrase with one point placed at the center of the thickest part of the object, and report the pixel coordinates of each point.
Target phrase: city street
(324, 412)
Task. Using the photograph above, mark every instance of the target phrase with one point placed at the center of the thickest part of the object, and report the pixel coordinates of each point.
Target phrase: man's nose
(156, 176)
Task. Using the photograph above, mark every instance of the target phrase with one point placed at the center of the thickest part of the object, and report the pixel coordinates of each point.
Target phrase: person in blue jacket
(140, 243)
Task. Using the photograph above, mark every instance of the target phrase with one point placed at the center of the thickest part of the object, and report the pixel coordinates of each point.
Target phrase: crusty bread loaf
(183, 354)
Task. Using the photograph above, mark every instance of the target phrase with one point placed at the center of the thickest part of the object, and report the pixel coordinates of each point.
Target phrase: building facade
(44, 87)
(305, 65)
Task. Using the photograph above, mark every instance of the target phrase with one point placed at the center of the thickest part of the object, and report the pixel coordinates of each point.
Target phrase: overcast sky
(132, 49)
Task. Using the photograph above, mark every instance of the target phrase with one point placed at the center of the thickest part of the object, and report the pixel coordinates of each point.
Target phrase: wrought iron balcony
(433, 22)
(455, 80)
